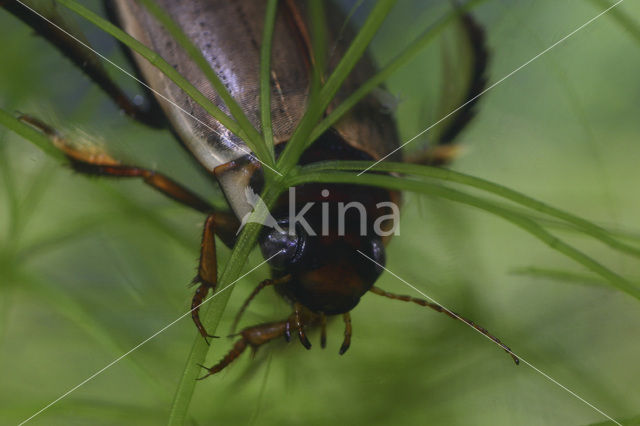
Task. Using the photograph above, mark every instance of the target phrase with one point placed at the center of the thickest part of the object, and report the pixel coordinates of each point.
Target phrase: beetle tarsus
(207, 271)
(206, 375)
(253, 337)
(323, 330)
(347, 333)
(299, 323)
(198, 298)
(234, 353)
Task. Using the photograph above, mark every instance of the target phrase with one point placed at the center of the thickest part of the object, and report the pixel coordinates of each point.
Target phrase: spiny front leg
(207, 274)
(90, 159)
(451, 314)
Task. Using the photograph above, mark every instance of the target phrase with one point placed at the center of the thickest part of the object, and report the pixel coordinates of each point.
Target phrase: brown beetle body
(332, 280)
(320, 274)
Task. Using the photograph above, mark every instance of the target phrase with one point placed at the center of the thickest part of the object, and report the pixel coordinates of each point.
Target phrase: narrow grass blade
(319, 38)
(300, 138)
(400, 60)
(622, 18)
(407, 184)
(559, 275)
(249, 133)
(265, 74)
(494, 188)
(213, 313)
(30, 134)
(632, 421)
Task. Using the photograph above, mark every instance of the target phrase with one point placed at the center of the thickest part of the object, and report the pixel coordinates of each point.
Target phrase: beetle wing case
(228, 33)
(229, 36)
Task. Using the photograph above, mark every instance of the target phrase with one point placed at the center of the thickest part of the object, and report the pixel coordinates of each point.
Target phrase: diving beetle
(320, 275)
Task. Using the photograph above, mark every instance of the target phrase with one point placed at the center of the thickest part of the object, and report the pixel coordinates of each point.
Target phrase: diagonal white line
(563, 39)
(551, 379)
(118, 67)
(140, 344)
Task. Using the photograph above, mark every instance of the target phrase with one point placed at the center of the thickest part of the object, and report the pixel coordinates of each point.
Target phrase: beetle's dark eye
(282, 247)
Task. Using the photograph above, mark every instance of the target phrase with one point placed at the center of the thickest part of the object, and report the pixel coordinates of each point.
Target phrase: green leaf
(265, 73)
(30, 134)
(621, 18)
(407, 184)
(584, 225)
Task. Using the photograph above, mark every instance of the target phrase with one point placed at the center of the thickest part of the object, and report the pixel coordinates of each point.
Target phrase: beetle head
(283, 245)
(329, 273)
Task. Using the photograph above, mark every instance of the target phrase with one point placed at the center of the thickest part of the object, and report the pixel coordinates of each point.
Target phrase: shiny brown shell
(229, 34)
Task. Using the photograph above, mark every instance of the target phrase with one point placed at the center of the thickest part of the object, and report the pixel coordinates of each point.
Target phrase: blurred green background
(89, 268)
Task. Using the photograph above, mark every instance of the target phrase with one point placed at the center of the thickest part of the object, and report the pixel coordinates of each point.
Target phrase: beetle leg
(61, 35)
(234, 353)
(347, 333)
(299, 323)
(221, 223)
(254, 337)
(91, 160)
(287, 332)
(451, 314)
(156, 180)
(258, 335)
(442, 151)
(207, 273)
(323, 330)
(253, 294)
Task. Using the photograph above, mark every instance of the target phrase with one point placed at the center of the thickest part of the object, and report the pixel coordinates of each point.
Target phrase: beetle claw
(208, 336)
(304, 340)
(206, 375)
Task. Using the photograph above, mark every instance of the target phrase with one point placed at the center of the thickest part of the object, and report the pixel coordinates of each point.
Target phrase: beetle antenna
(451, 314)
